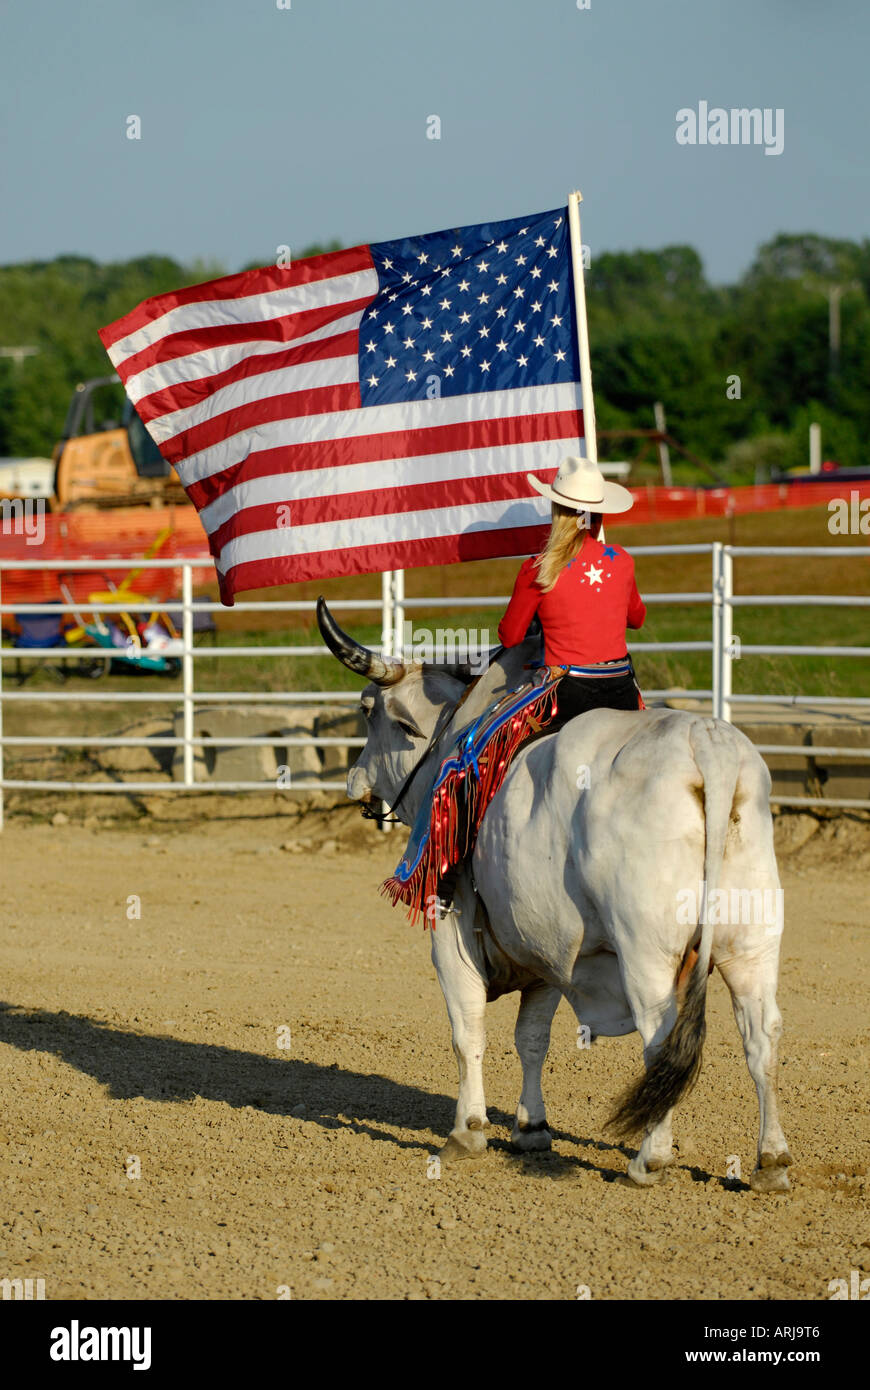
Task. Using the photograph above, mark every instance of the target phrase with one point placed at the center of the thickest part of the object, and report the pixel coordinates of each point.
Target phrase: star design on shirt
(610, 552)
(593, 575)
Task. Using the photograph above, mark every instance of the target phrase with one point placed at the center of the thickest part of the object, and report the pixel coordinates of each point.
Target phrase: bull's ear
(440, 686)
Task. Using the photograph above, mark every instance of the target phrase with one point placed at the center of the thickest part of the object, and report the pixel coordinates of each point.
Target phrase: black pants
(577, 694)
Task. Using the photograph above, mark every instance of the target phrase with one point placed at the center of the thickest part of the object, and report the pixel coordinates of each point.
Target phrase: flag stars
(427, 323)
(466, 352)
(552, 251)
(502, 345)
(535, 271)
(553, 286)
(519, 292)
(388, 264)
(388, 327)
(484, 366)
(391, 361)
(483, 331)
(445, 304)
(422, 258)
(406, 309)
(536, 305)
(465, 318)
(428, 355)
(538, 341)
(519, 326)
(373, 381)
(502, 246)
(463, 284)
(482, 265)
(410, 376)
(520, 260)
(448, 370)
(371, 347)
(407, 277)
(457, 250)
(559, 355)
(522, 361)
(483, 299)
(556, 320)
(447, 337)
(539, 241)
(409, 342)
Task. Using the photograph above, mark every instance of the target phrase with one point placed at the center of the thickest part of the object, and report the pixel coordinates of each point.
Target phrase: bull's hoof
(642, 1176)
(463, 1143)
(532, 1138)
(769, 1180)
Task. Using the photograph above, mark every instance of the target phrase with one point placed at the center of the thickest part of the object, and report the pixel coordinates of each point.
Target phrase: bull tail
(674, 1069)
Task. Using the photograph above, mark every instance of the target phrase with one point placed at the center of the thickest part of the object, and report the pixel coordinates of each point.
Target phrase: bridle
(389, 816)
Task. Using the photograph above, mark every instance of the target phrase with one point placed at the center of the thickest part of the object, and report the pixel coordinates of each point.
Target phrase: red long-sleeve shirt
(585, 614)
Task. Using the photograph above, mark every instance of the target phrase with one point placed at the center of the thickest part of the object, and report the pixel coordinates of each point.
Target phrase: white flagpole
(591, 443)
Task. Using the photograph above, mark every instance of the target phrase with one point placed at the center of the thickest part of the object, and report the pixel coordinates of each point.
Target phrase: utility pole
(664, 451)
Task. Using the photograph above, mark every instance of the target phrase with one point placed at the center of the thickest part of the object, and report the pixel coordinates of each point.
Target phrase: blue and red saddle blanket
(445, 830)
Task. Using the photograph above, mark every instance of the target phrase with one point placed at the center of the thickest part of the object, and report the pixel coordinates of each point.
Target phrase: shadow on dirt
(166, 1069)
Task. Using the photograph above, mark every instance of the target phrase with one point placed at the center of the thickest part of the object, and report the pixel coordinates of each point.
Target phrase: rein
(389, 816)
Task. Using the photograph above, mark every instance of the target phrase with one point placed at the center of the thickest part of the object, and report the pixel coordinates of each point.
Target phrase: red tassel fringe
(447, 845)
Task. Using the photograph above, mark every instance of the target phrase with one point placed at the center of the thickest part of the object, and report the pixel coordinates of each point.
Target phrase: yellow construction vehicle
(106, 457)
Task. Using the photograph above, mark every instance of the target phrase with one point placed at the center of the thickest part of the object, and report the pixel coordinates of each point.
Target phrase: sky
(264, 127)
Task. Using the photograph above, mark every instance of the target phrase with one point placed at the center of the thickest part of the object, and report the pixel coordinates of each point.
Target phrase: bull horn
(383, 670)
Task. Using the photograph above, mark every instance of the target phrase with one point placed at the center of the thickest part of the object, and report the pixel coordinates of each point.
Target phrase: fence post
(387, 612)
(399, 612)
(717, 583)
(727, 632)
(187, 669)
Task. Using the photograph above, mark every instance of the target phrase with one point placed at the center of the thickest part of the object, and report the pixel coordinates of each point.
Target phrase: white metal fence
(393, 606)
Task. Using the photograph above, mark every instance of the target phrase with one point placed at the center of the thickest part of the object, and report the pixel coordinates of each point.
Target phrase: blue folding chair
(39, 630)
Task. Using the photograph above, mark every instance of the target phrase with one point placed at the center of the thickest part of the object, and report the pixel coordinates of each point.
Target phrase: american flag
(368, 409)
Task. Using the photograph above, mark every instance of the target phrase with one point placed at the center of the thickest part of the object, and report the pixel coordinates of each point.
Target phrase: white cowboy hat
(580, 484)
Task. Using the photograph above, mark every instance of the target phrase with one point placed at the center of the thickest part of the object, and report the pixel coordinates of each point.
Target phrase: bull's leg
(464, 989)
(753, 995)
(538, 1003)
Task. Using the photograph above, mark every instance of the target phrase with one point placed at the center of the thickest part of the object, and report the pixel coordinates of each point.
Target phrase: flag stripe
(237, 290)
(436, 494)
(296, 466)
(352, 424)
(253, 309)
(329, 363)
(160, 375)
(386, 555)
(437, 523)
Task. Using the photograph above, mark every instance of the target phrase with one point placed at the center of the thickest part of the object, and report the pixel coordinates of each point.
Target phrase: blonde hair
(563, 543)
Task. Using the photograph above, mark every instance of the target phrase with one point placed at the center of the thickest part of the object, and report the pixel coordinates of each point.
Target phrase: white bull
(598, 835)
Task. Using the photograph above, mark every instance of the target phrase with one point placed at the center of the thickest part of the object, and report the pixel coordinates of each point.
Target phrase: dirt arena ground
(151, 1046)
